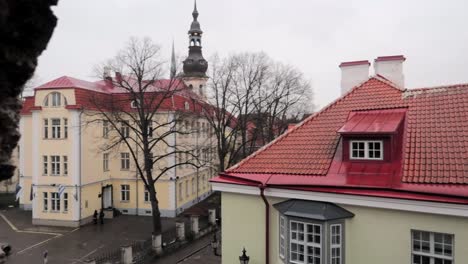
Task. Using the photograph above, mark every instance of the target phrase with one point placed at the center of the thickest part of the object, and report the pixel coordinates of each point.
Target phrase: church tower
(195, 65)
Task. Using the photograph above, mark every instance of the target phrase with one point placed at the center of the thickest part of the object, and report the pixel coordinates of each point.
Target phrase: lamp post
(244, 259)
(214, 245)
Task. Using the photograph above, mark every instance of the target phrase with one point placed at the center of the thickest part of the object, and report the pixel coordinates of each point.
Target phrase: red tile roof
(373, 122)
(435, 140)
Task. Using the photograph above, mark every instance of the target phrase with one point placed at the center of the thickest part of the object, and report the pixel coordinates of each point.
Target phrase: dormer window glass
(366, 149)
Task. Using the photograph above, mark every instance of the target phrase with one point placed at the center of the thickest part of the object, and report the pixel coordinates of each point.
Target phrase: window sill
(124, 169)
(127, 201)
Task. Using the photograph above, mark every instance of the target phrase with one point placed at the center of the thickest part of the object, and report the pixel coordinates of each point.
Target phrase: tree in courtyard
(140, 116)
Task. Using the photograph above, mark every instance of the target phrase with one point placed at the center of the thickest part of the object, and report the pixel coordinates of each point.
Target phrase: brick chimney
(391, 68)
(353, 73)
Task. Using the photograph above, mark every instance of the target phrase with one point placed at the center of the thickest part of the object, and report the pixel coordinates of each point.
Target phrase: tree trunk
(157, 228)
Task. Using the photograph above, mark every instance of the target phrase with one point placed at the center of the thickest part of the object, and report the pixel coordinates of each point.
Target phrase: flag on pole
(61, 189)
(18, 191)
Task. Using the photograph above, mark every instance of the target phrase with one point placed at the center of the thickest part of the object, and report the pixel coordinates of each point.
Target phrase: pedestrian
(95, 215)
(101, 216)
(46, 255)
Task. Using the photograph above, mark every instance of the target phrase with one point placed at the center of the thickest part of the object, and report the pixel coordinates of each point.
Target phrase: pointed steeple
(195, 65)
(173, 62)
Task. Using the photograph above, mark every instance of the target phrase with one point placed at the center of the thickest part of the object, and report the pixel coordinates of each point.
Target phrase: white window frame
(124, 161)
(54, 202)
(146, 195)
(45, 198)
(282, 231)
(45, 165)
(193, 186)
(65, 128)
(366, 149)
(65, 202)
(432, 255)
(180, 191)
(304, 242)
(55, 165)
(46, 128)
(65, 165)
(105, 129)
(339, 258)
(187, 193)
(124, 129)
(124, 192)
(105, 161)
(55, 128)
(56, 99)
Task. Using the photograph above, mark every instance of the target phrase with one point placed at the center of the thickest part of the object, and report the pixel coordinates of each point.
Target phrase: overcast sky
(313, 35)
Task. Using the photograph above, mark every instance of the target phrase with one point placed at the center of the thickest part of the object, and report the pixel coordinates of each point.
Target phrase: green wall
(372, 236)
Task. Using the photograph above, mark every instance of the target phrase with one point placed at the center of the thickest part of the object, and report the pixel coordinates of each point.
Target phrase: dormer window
(187, 106)
(366, 149)
(134, 104)
(54, 99)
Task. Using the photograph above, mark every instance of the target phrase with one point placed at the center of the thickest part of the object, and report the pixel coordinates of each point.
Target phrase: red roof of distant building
(434, 151)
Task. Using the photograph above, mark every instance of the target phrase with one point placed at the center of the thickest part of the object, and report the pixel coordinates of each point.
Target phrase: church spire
(195, 65)
(173, 62)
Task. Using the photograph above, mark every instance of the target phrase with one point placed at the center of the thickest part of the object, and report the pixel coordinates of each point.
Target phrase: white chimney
(353, 73)
(391, 68)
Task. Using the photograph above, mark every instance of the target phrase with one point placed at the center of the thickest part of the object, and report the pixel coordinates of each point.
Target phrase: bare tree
(252, 101)
(141, 117)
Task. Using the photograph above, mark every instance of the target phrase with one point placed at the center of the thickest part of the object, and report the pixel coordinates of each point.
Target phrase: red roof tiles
(435, 148)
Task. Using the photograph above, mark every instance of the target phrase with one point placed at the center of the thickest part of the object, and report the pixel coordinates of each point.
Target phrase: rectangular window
(56, 99)
(105, 161)
(187, 193)
(124, 161)
(193, 186)
(65, 165)
(282, 231)
(146, 195)
(105, 129)
(65, 202)
(305, 243)
(46, 201)
(55, 164)
(65, 128)
(368, 150)
(124, 129)
(432, 248)
(55, 201)
(45, 165)
(55, 127)
(125, 192)
(187, 128)
(46, 128)
(150, 129)
(180, 191)
(335, 244)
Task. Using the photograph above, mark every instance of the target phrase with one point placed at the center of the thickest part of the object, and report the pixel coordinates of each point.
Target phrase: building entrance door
(107, 196)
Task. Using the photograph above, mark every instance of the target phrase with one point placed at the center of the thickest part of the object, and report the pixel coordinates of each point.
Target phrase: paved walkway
(66, 245)
(197, 252)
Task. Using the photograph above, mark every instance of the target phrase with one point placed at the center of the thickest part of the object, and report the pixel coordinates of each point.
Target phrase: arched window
(190, 87)
(55, 99)
(201, 89)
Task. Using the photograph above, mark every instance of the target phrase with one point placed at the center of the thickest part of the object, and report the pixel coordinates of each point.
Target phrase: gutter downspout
(267, 224)
(79, 167)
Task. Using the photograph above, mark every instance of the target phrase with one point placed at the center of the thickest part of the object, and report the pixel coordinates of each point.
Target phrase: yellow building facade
(65, 175)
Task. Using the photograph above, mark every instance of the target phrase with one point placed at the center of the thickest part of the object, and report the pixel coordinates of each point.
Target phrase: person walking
(101, 216)
(46, 256)
(95, 216)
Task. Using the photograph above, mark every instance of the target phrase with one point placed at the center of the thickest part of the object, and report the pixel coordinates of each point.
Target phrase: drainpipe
(267, 224)
(79, 166)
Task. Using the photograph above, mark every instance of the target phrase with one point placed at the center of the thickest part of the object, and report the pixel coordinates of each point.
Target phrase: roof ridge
(449, 86)
(285, 134)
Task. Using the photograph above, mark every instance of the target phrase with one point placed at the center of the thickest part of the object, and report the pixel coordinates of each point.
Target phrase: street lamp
(214, 245)
(244, 259)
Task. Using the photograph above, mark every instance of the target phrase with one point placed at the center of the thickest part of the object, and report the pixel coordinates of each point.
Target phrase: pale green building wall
(372, 236)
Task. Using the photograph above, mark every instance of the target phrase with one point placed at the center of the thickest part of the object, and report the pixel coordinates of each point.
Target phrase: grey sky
(312, 35)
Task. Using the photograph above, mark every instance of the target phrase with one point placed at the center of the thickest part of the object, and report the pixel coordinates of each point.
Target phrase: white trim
(74, 167)
(36, 172)
(226, 187)
(347, 199)
(21, 146)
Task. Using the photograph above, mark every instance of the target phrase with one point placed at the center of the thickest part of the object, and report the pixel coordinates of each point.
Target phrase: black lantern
(244, 259)
(214, 245)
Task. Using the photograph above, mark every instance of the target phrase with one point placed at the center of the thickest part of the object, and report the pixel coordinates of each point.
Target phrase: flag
(61, 189)
(18, 192)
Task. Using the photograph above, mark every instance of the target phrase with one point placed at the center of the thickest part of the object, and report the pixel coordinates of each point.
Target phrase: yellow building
(64, 174)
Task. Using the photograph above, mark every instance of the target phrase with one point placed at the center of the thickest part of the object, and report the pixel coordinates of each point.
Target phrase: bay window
(431, 247)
